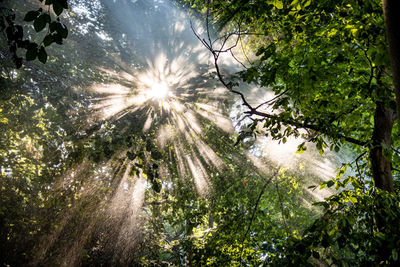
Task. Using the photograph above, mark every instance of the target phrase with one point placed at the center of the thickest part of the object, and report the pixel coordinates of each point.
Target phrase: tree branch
(253, 111)
(255, 209)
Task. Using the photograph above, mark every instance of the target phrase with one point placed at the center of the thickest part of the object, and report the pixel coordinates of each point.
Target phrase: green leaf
(313, 187)
(31, 15)
(42, 55)
(337, 185)
(322, 203)
(353, 199)
(31, 54)
(46, 17)
(301, 148)
(260, 51)
(57, 38)
(62, 30)
(31, 45)
(395, 255)
(341, 171)
(53, 26)
(57, 7)
(278, 4)
(41, 22)
(48, 40)
(63, 3)
(346, 181)
(306, 4)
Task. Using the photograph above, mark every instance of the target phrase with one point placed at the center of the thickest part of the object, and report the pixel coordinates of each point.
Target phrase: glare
(160, 90)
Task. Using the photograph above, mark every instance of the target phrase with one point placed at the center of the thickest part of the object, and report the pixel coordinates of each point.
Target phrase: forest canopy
(329, 67)
(153, 133)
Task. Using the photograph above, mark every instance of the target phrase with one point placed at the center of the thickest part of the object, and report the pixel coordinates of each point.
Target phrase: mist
(142, 90)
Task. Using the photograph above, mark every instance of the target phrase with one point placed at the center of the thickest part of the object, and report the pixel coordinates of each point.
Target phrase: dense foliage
(84, 182)
(97, 169)
(328, 65)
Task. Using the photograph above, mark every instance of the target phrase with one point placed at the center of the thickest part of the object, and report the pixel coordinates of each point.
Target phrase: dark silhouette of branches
(298, 122)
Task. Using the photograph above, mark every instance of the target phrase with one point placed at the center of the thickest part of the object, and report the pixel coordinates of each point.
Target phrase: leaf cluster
(57, 31)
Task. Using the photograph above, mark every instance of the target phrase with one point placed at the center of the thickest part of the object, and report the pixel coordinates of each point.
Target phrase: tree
(329, 72)
(68, 175)
(81, 188)
(391, 9)
(328, 65)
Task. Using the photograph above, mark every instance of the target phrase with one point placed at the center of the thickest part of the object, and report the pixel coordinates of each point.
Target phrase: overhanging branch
(254, 111)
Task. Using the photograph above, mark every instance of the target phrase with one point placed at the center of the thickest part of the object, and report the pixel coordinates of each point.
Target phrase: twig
(282, 210)
(253, 111)
(237, 60)
(356, 160)
(255, 209)
(271, 100)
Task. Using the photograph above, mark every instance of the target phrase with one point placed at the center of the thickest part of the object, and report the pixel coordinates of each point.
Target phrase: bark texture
(391, 11)
(381, 138)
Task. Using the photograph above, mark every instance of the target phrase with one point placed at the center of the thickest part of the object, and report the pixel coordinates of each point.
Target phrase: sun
(160, 90)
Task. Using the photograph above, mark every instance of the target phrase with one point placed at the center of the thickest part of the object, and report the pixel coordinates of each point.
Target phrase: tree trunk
(391, 11)
(382, 169)
(381, 139)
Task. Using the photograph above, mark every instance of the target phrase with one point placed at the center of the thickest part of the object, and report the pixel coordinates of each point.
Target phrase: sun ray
(199, 175)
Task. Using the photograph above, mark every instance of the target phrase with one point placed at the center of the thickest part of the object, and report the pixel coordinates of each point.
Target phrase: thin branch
(305, 125)
(282, 210)
(237, 60)
(222, 50)
(396, 150)
(227, 36)
(255, 209)
(243, 51)
(254, 111)
(371, 75)
(271, 100)
(204, 42)
(242, 119)
(207, 24)
(356, 161)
